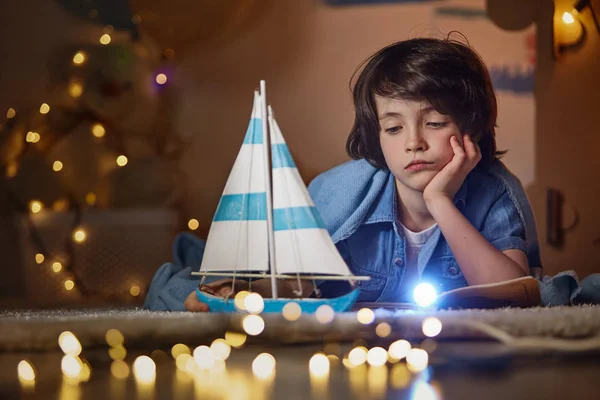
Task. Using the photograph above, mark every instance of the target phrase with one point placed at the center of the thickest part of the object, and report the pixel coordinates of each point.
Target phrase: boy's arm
(480, 261)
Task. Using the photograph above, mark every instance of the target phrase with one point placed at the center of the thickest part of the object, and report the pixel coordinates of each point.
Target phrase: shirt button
(453, 270)
(398, 261)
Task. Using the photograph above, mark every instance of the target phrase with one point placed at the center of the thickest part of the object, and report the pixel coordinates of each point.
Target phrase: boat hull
(308, 305)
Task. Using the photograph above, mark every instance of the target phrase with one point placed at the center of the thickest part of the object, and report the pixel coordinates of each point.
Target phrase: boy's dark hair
(448, 74)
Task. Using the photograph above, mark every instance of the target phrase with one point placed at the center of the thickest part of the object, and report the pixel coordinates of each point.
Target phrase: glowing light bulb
(57, 267)
(79, 58)
(36, 206)
(417, 360)
(221, 348)
(71, 366)
(79, 235)
(10, 113)
(161, 79)
(193, 224)
(377, 356)
(39, 258)
(319, 365)
(292, 311)
(254, 303)
(105, 39)
(263, 365)
(114, 338)
(57, 166)
(26, 371)
(98, 130)
(44, 108)
(32, 137)
(399, 349)
(204, 357)
(568, 18)
(144, 369)
(69, 343)
(365, 316)
(69, 284)
(121, 161)
(424, 294)
(431, 327)
(357, 356)
(253, 324)
(134, 290)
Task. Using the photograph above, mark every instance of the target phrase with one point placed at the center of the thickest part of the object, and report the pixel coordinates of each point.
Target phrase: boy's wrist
(437, 204)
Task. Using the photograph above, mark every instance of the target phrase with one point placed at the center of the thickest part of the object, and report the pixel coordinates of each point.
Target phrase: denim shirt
(373, 244)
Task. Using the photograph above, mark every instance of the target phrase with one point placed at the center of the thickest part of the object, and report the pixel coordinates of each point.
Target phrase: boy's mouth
(416, 165)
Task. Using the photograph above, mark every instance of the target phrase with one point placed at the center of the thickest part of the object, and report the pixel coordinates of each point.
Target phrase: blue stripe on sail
(296, 218)
(254, 134)
(230, 207)
(281, 156)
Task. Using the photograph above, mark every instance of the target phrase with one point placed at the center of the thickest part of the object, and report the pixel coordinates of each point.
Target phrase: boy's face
(414, 131)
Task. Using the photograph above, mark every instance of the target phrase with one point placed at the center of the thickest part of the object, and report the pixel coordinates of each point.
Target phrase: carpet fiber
(39, 330)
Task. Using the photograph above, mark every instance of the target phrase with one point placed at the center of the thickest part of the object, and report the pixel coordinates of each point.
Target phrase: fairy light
(383, 330)
(239, 300)
(144, 369)
(253, 324)
(365, 316)
(75, 89)
(134, 290)
(119, 369)
(56, 267)
(39, 258)
(431, 327)
(319, 365)
(69, 284)
(10, 113)
(32, 137)
(219, 366)
(292, 311)
(90, 198)
(60, 205)
(105, 39)
(71, 366)
(221, 349)
(263, 366)
(568, 18)
(26, 371)
(254, 303)
(416, 360)
(204, 357)
(79, 58)
(399, 349)
(44, 108)
(57, 166)
(357, 356)
(121, 161)
(69, 343)
(114, 338)
(235, 339)
(377, 356)
(185, 362)
(98, 130)
(193, 224)
(161, 79)
(117, 352)
(36, 206)
(79, 235)
(325, 314)
(180, 349)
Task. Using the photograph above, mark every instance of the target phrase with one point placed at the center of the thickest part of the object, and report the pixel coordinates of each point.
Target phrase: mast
(267, 163)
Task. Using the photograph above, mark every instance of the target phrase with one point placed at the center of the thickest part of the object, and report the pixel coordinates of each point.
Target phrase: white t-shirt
(414, 243)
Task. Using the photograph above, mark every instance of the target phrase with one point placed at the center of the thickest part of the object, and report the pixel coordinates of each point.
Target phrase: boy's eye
(437, 125)
(394, 129)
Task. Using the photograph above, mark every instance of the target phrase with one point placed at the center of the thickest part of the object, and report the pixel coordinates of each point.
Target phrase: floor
(457, 370)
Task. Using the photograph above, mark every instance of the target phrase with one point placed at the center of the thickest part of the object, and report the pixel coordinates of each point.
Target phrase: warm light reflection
(117, 352)
(431, 327)
(122, 161)
(75, 89)
(134, 290)
(98, 130)
(235, 339)
(221, 348)
(105, 39)
(325, 314)
(57, 166)
(69, 284)
(204, 357)
(144, 369)
(292, 311)
(185, 362)
(26, 371)
(179, 349)
(32, 137)
(568, 18)
(90, 198)
(253, 324)
(263, 366)
(417, 360)
(36, 206)
(399, 349)
(319, 365)
(71, 366)
(193, 224)
(383, 329)
(56, 267)
(119, 369)
(400, 376)
(69, 343)
(39, 258)
(239, 300)
(365, 316)
(114, 338)
(161, 79)
(377, 356)
(44, 108)
(10, 113)
(79, 58)
(79, 235)
(377, 378)
(357, 356)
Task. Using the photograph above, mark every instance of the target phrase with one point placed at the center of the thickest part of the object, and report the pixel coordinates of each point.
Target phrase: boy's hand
(447, 182)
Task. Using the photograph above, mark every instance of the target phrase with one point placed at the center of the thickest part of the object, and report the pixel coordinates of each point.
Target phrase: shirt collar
(385, 207)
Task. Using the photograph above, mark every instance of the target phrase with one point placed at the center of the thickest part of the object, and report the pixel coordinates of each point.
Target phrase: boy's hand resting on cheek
(447, 182)
(224, 287)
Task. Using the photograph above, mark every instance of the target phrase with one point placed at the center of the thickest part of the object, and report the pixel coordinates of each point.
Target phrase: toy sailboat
(257, 232)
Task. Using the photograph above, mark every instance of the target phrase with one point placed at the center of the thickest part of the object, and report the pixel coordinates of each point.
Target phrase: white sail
(237, 240)
(302, 244)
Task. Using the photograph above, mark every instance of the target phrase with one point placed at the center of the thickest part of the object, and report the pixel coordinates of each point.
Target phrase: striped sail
(302, 244)
(237, 240)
